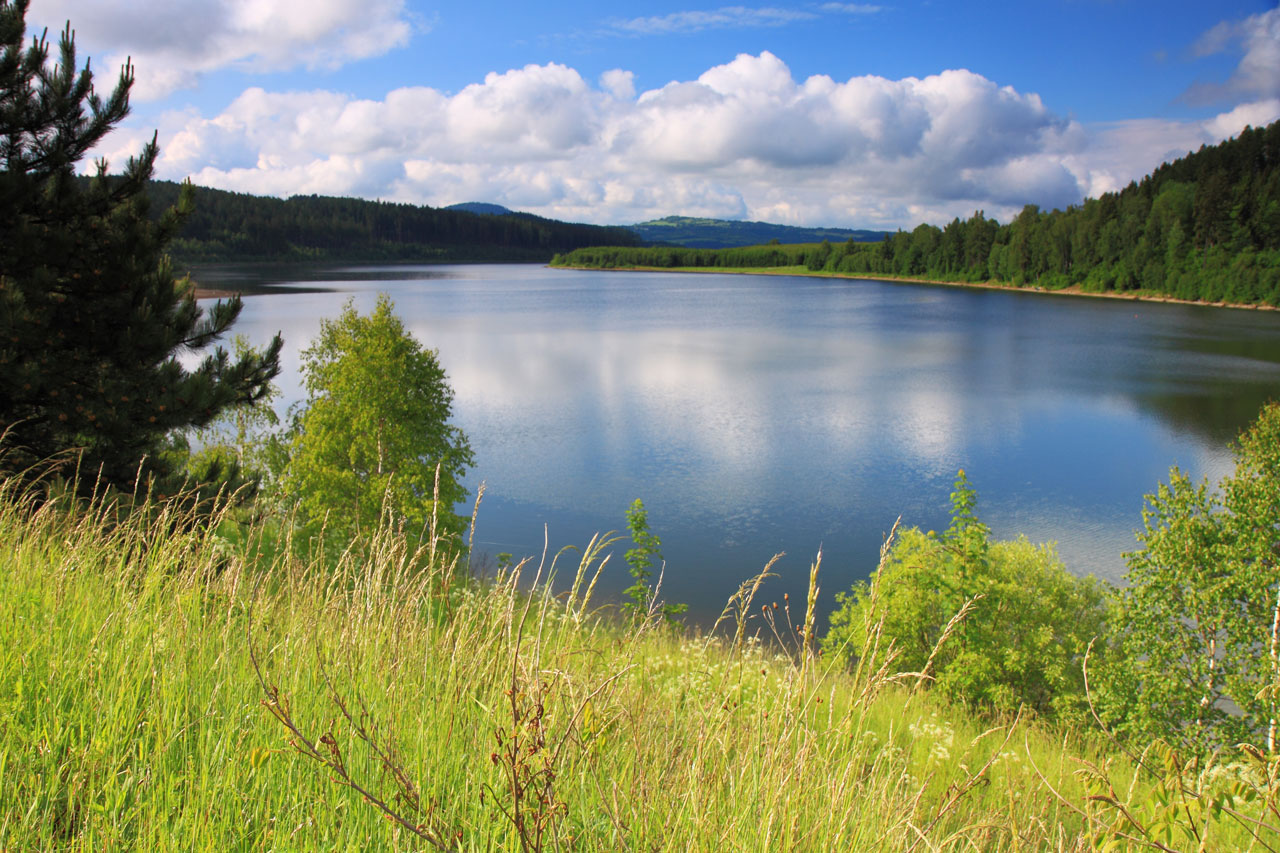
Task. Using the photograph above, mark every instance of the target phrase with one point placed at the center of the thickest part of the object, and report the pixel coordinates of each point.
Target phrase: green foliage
(1205, 802)
(375, 430)
(642, 556)
(235, 454)
(92, 321)
(641, 559)
(243, 432)
(1020, 644)
(612, 257)
(1198, 656)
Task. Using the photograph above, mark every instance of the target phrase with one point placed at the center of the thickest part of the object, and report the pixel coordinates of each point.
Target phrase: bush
(1021, 643)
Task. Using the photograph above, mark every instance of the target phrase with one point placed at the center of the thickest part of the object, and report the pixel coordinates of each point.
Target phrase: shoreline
(215, 293)
(1073, 290)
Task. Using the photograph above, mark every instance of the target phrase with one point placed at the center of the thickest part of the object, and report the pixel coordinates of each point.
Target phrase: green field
(482, 715)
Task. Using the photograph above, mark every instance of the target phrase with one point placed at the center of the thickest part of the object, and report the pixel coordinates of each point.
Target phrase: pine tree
(93, 322)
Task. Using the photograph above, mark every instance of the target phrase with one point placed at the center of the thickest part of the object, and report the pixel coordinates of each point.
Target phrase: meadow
(171, 684)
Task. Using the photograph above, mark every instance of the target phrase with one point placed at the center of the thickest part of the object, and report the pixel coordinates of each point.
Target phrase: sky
(861, 115)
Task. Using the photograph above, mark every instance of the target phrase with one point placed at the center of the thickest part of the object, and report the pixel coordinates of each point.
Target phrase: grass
(162, 689)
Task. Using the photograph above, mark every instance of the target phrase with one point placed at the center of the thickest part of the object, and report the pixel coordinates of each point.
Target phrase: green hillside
(698, 233)
(227, 226)
(481, 207)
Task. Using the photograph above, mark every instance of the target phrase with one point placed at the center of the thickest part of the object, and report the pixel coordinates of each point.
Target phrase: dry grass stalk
(326, 750)
(739, 604)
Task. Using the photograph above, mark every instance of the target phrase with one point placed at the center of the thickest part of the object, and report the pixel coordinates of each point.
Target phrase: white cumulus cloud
(1116, 153)
(173, 42)
(742, 140)
(620, 83)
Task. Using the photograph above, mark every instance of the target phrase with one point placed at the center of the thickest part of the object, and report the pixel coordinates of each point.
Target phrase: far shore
(215, 293)
(1073, 290)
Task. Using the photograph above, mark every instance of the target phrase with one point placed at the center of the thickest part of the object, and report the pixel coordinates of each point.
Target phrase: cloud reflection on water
(757, 415)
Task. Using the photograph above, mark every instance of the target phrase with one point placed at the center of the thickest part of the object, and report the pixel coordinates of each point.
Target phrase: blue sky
(821, 113)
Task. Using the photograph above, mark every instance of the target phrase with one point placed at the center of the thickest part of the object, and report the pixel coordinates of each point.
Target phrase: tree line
(701, 233)
(1205, 227)
(225, 226)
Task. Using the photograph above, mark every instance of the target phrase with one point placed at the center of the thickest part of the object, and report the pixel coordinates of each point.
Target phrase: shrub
(1021, 642)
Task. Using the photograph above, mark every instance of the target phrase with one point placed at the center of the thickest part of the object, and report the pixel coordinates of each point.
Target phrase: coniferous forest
(1205, 227)
(227, 226)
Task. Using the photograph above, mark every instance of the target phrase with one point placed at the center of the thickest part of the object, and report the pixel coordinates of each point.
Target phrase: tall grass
(160, 689)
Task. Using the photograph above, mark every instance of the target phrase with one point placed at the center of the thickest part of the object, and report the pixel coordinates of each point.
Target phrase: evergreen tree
(93, 324)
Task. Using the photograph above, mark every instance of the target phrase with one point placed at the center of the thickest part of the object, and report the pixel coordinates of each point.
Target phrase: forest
(698, 233)
(225, 226)
(1205, 227)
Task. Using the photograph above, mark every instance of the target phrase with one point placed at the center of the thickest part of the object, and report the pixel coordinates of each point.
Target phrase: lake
(763, 414)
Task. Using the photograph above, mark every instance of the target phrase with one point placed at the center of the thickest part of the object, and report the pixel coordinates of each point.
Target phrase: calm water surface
(760, 414)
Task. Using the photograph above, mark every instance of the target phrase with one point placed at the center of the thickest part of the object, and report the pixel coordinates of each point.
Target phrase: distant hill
(227, 226)
(484, 208)
(698, 233)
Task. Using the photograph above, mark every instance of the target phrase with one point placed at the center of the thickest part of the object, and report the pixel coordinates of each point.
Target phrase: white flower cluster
(697, 668)
(939, 735)
(1008, 756)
